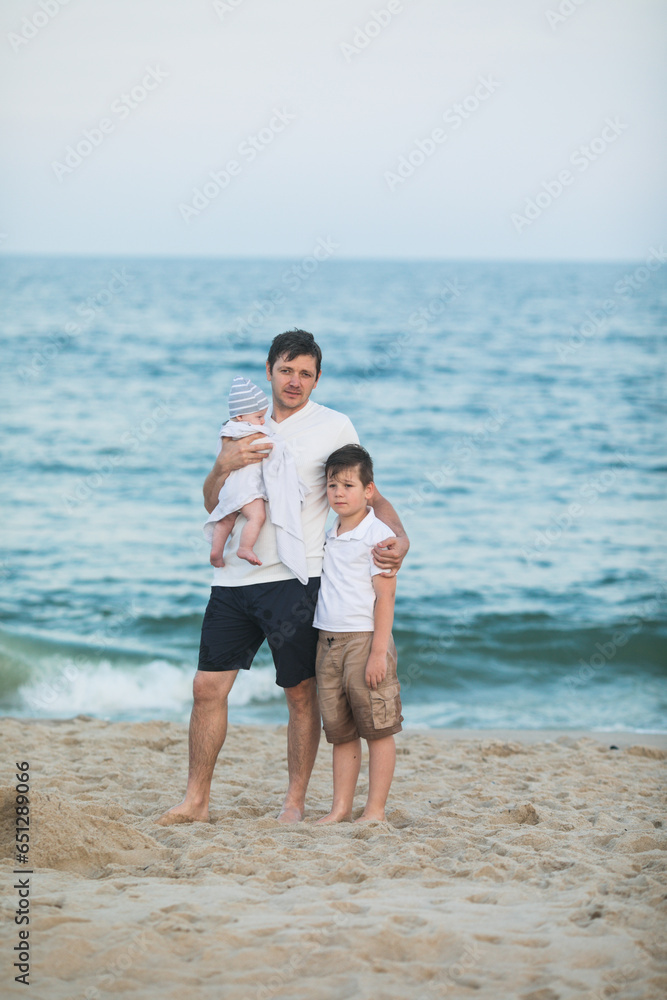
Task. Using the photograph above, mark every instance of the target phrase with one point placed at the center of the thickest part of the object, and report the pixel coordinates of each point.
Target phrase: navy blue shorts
(239, 619)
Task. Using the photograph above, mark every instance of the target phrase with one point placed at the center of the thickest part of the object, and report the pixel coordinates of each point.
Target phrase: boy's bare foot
(217, 560)
(289, 814)
(184, 813)
(249, 556)
(372, 817)
(336, 817)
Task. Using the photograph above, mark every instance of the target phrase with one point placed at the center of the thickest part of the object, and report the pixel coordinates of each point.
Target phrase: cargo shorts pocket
(386, 706)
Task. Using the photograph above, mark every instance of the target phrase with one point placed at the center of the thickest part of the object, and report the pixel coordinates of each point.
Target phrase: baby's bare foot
(249, 556)
(217, 560)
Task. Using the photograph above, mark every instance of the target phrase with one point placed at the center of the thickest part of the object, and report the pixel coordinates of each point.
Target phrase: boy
(357, 686)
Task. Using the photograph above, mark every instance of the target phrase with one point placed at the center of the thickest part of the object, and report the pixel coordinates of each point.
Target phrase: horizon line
(78, 255)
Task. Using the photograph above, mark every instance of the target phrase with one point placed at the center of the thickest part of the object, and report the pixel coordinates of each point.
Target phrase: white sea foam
(157, 689)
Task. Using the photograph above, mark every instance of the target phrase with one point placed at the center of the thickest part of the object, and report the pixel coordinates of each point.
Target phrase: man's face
(293, 381)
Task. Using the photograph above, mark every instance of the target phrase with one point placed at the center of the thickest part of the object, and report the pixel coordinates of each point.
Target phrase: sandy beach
(513, 864)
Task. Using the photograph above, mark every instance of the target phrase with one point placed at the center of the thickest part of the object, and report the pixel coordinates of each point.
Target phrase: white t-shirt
(346, 599)
(311, 434)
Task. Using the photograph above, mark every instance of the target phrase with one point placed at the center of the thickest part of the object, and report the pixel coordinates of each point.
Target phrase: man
(250, 603)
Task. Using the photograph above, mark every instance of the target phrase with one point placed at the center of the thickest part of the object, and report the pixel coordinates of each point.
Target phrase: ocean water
(515, 414)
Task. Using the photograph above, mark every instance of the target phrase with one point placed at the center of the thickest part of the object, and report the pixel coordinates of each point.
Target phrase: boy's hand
(376, 669)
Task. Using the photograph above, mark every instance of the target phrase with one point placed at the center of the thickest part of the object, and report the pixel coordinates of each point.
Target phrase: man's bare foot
(290, 814)
(249, 556)
(184, 813)
(372, 817)
(217, 560)
(335, 817)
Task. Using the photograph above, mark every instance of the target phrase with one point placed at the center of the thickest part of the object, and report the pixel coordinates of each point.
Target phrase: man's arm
(383, 619)
(389, 553)
(234, 454)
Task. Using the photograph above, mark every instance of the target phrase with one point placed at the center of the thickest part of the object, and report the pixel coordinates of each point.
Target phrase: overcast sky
(549, 138)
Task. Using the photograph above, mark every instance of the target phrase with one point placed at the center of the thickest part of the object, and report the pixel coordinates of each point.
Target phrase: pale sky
(339, 94)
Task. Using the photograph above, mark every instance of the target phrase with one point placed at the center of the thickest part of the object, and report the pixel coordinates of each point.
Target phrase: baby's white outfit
(275, 480)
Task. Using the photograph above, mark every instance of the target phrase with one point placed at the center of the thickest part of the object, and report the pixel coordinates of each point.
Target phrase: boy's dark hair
(350, 456)
(291, 345)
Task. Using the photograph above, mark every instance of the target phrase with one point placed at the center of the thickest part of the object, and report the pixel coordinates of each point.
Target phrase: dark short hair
(291, 345)
(350, 456)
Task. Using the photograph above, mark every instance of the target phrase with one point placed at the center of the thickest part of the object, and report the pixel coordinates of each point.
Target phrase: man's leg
(208, 728)
(303, 739)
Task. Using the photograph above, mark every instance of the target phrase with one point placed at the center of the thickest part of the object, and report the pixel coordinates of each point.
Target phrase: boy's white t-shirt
(311, 434)
(346, 600)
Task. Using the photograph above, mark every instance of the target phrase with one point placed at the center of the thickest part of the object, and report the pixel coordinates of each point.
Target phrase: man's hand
(236, 453)
(376, 669)
(390, 553)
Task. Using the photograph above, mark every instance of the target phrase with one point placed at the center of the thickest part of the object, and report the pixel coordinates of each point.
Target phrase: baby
(245, 490)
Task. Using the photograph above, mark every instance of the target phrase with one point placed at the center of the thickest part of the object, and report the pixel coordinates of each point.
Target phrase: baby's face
(252, 418)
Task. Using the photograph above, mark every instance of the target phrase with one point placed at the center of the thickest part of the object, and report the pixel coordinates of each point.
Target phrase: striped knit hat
(246, 397)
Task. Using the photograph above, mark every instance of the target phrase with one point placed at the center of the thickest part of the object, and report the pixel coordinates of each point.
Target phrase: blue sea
(515, 414)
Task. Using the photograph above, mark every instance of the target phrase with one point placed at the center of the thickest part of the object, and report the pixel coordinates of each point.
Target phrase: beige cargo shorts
(349, 707)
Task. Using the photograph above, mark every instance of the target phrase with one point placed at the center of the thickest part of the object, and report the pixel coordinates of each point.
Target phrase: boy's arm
(389, 553)
(383, 618)
(234, 454)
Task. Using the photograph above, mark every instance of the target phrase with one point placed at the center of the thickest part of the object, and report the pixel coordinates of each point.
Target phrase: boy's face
(346, 494)
(252, 418)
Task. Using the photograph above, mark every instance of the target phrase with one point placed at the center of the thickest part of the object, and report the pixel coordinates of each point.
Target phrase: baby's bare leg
(381, 764)
(222, 529)
(255, 515)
